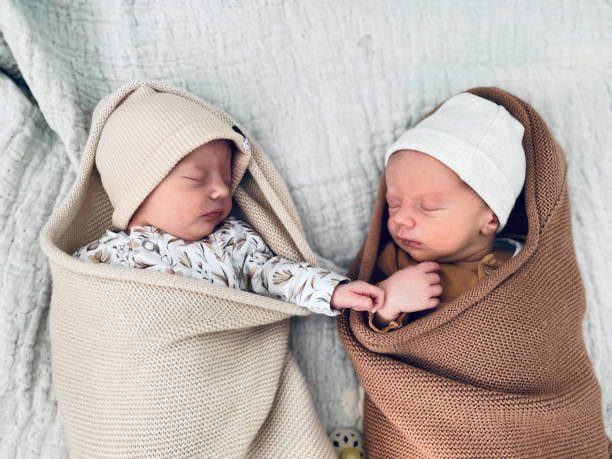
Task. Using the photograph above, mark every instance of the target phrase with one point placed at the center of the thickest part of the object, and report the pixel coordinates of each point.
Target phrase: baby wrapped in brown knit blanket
(501, 369)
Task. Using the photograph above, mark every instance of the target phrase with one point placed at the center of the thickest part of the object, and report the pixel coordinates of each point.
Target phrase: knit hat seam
(482, 137)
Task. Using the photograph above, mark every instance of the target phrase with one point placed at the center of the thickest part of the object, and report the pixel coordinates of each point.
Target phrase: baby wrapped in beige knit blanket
(147, 364)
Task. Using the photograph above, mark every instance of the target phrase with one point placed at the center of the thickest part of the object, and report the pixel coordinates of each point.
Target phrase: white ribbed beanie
(145, 137)
(480, 141)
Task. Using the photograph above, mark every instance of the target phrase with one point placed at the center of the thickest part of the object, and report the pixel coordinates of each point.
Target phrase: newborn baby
(166, 165)
(451, 182)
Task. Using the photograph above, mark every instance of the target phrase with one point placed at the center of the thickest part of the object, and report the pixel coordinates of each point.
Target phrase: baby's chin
(419, 257)
(419, 254)
(202, 231)
(203, 226)
(193, 232)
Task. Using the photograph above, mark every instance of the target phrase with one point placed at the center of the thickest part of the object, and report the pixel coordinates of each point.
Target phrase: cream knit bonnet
(480, 141)
(146, 136)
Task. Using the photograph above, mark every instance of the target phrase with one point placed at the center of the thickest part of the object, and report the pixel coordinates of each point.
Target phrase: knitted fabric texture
(501, 371)
(143, 139)
(148, 364)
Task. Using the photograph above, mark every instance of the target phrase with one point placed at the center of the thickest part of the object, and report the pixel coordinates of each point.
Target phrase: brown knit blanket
(502, 371)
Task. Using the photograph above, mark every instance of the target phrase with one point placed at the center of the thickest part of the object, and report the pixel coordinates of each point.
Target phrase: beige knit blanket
(147, 364)
(501, 371)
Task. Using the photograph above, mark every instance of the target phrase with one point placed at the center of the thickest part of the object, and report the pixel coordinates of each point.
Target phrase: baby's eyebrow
(432, 196)
(188, 167)
(437, 197)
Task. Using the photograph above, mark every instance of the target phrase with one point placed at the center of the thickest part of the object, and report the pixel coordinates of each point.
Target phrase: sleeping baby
(493, 363)
(166, 165)
(451, 182)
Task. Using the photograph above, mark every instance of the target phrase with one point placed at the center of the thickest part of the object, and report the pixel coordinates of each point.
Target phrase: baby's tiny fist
(357, 295)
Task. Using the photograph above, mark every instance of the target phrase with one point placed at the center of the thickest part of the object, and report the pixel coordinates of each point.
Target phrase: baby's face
(433, 214)
(194, 197)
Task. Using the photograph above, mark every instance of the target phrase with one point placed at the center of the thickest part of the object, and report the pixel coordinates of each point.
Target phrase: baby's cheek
(438, 234)
(195, 202)
(391, 225)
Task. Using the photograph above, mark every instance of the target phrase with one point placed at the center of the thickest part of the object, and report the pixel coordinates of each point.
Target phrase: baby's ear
(491, 223)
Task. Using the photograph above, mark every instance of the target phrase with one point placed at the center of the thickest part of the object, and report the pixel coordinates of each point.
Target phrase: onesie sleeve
(297, 283)
(112, 248)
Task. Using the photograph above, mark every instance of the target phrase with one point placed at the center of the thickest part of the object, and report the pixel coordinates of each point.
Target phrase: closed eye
(392, 202)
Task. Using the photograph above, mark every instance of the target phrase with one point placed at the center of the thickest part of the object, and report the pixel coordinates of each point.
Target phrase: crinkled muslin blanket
(501, 371)
(149, 364)
(325, 87)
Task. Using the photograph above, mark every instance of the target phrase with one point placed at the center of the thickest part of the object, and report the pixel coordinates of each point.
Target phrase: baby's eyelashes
(430, 209)
(396, 205)
(392, 203)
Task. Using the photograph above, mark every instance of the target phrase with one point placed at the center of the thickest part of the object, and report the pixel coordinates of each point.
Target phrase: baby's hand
(410, 289)
(358, 295)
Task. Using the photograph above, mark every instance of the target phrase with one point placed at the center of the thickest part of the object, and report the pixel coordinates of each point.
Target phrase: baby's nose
(219, 191)
(403, 224)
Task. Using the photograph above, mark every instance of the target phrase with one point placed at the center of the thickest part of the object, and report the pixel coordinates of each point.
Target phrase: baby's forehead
(418, 193)
(411, 159)
(207, 154)
(420, 173)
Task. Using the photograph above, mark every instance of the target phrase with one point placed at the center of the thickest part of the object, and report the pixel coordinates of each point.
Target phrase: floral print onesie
(233, 255)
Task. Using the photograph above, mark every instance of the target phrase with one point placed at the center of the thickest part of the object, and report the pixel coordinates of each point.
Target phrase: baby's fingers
(379, 299)
(427, 304)
(432, 278)
(376, 294)
(361, 303)
(429, 266)
(372, 292)
(430, 303)
(433, 302)
(363, 288)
